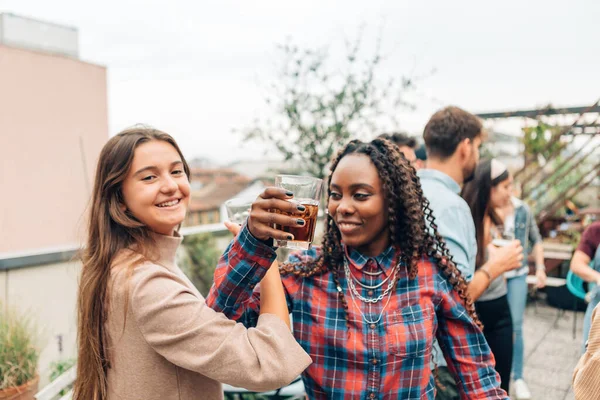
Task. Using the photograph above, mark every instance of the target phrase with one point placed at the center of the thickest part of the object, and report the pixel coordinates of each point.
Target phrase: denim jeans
(517, 299)
(587, 319)
(594, 300)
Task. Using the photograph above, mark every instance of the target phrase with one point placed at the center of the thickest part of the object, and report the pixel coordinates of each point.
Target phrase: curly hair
(412, 225)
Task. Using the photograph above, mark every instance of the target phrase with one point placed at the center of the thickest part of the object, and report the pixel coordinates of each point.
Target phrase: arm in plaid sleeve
(235, 291)
(467, 353)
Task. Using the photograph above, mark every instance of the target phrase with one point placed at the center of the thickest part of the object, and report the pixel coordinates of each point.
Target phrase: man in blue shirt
(452, 140)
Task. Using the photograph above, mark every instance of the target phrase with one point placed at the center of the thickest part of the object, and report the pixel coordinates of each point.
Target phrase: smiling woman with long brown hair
(368, 303)
(144, 331)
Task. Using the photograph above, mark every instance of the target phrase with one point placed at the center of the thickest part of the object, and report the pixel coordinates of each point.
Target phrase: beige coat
(173, 346)
(586, 377)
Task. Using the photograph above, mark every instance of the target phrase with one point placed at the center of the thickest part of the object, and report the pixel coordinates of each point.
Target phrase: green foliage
(572, 174)
(200, 259)
(57, 368)
(536, 139)
(555, 178)
(562, 179)
(18, 352)
(486, 151)
(316, 108)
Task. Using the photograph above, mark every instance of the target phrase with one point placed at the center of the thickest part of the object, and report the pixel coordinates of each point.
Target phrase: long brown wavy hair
(409, 216)
(477, 193)
(110, 230)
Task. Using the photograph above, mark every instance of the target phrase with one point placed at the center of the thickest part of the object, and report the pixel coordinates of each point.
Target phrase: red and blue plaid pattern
(385, 359)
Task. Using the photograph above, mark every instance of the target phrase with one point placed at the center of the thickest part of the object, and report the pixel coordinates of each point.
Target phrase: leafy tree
(536, 140)
(199, 260)
(317, 108)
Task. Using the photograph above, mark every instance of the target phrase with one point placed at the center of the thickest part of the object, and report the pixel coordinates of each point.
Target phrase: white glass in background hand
(508, 235)
(503, 239)
(307, 192)
(238, 209)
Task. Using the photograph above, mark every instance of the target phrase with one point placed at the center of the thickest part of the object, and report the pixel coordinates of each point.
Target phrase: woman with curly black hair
(367, 304)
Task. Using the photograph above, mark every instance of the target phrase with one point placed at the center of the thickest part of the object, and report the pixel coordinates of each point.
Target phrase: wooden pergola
(532, 174)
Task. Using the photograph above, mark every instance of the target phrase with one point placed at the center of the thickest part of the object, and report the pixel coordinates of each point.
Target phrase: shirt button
(373, 326)
(370, 293)
(374, 361)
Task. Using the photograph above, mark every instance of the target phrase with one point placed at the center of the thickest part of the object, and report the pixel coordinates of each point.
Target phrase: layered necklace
(370, 300)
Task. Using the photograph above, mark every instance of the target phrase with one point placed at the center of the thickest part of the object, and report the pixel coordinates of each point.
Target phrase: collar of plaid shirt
(360, 261)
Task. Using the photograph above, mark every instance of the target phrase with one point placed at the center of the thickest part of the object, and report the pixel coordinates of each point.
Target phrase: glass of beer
(307, 192)
(238, 209)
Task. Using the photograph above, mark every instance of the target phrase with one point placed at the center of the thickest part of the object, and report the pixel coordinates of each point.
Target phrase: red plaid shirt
(387, 358)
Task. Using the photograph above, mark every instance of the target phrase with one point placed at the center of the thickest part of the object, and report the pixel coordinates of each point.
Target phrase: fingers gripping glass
(307, 192)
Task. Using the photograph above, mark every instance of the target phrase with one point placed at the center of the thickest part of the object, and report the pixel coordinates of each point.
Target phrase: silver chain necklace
(370, 321)
(368, 299)
(364, 284)
(372, 273)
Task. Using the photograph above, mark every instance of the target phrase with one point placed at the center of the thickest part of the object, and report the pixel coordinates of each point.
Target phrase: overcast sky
(198, 69)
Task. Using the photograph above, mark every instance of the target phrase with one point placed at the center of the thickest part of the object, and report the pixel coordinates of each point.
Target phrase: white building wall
(31, 34)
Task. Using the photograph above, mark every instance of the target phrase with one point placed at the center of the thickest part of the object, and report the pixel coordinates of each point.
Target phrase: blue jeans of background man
(517, 299)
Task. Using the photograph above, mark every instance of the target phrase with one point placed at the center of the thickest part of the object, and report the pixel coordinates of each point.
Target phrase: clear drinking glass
(238, 209)
(504, 238)
(307, 192)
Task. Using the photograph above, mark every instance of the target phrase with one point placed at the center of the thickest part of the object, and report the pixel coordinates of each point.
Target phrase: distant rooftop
(211, 196)
(265, 167)
(31, 34)
(212, 186)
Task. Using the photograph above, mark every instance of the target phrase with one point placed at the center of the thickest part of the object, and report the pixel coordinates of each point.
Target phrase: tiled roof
(211, 196)
(220, 175)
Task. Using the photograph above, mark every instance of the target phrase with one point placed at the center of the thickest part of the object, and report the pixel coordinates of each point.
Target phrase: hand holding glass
(307, 192)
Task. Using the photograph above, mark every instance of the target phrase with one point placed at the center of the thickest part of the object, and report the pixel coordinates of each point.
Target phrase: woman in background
(519, 222)
(489, 190)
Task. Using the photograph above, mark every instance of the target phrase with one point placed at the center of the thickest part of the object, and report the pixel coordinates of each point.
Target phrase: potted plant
(18, 357)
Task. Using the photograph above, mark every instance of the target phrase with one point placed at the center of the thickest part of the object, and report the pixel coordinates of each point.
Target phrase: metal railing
(45, 256)
(293, 391)
(59, 385)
